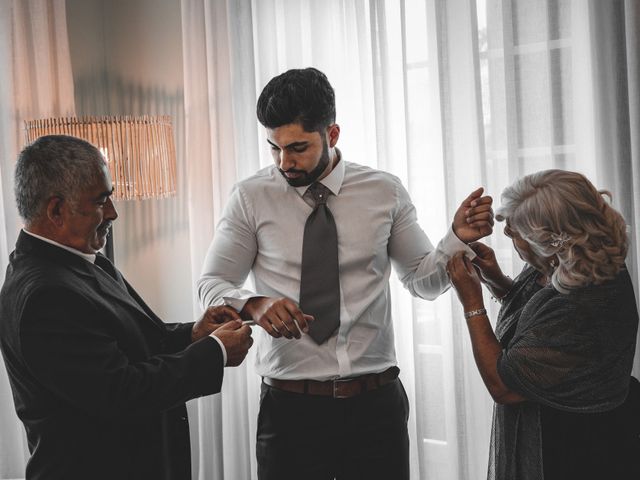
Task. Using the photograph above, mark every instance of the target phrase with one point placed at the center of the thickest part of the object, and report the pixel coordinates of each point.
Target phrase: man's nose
(110, 211)
(286, 161)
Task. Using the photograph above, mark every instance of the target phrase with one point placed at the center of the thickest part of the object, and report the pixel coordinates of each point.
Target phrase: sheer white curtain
(560, 88)
(35, 81)
(221, 147)
(448, 95)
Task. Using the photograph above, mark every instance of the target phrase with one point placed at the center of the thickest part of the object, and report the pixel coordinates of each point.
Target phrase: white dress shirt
(261, 234)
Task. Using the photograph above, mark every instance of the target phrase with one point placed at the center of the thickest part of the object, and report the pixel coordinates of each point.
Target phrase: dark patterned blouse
(570, 355)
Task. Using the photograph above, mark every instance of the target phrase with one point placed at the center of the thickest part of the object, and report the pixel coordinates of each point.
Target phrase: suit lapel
(112, 289)
(85, 271)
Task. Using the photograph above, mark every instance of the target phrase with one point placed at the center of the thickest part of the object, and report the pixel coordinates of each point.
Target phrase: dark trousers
(321, 438)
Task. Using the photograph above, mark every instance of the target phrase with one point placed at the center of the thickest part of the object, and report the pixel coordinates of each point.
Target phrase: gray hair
(561, 213)
(54, 165)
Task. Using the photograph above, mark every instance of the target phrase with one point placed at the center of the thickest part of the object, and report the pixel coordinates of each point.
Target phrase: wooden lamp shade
(140, 151)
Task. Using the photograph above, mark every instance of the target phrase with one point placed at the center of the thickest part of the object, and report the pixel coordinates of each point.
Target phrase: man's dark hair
(54, 165)
(302, 96)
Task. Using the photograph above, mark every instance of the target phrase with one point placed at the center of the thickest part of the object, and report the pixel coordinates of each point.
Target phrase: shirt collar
(333, 181)
(89, 257)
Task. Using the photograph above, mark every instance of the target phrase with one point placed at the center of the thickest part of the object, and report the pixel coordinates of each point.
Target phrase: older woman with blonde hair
(559, 363)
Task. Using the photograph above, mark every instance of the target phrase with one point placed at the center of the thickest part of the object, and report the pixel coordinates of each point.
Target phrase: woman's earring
(553, 263)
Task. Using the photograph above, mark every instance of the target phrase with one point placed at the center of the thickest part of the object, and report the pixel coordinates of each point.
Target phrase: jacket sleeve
(77, 352)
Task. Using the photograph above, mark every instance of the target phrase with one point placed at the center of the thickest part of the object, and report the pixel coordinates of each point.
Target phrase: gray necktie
(319, 279)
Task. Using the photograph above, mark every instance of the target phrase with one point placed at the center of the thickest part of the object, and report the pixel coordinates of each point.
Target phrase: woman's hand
(486, 348)
(490, 272)
(486, 262)
(465, 281)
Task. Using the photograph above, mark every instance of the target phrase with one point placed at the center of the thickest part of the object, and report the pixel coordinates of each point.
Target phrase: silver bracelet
(475, 313)
(504, 295)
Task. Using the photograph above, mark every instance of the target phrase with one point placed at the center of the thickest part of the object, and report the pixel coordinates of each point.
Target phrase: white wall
(127, 59)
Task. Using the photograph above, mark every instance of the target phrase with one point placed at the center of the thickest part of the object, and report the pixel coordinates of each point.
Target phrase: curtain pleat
(221, 147)
(35, 81)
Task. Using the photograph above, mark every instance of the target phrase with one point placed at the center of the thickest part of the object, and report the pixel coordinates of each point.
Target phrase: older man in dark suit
(98, 380)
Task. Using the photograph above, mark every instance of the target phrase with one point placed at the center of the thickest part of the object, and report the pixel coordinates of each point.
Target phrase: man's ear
(334, 133)
(55, 210)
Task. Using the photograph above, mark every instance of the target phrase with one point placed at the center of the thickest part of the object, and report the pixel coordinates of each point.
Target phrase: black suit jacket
(98, 380)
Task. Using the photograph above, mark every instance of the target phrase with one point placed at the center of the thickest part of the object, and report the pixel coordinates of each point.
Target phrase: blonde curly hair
(561, 213)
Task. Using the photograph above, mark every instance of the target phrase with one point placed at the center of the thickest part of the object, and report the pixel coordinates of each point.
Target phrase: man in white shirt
(332, 406)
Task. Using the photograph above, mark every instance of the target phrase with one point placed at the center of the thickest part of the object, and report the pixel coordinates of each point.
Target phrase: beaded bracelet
(500, 299)
(474, 313)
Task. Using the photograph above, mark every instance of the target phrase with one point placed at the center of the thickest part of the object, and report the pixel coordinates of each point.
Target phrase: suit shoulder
(28, 276)
(35, 285)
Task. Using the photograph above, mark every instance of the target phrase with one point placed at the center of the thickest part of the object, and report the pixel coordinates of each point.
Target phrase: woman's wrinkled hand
(486, 263)
(465, 281)
(490, 272)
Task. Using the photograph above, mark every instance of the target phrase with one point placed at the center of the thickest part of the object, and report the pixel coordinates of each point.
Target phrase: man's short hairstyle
(54, 165)
(302, 96)
(561, 213)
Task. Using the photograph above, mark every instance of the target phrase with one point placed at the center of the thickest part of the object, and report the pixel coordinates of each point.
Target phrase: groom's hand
(474, 218)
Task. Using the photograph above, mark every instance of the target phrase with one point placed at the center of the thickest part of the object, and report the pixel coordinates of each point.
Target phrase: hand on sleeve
(466, 282)
(236, 339)
(278, 316)
(490, 272)
(212, 318)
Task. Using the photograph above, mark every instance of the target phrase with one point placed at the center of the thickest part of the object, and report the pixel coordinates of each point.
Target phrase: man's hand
(278, 316)
(474, 218)
(212, 318)
(236, 339)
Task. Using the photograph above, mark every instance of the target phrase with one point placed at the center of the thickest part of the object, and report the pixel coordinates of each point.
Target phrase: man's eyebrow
(106, 193)
(291, 145)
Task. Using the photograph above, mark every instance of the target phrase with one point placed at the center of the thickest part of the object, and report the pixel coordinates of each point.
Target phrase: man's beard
(307, 178)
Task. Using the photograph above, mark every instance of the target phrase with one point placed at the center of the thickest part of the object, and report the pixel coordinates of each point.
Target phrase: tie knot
(103, 262)
(319, 193)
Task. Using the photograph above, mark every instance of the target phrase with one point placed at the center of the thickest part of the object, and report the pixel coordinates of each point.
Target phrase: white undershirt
(89, 257)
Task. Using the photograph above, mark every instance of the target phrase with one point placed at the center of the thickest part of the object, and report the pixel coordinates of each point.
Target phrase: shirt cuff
(224, 350)
(239, 303)
(451, 245)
